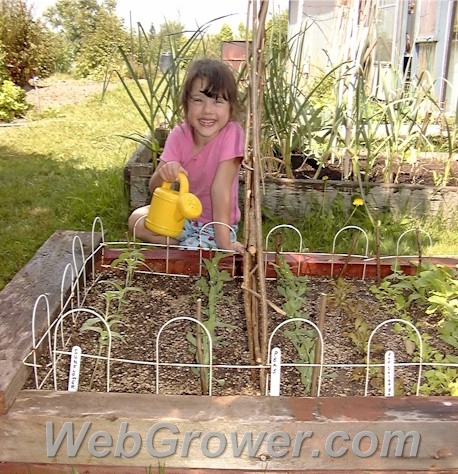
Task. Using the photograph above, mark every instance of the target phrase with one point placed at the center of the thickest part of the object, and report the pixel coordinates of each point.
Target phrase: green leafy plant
(293, 288)
(155, 94)
(292, 122)
(112, 319)
(440, 380)
(353, 311)
(360, 336)
(340, 297)
(12, 101)
(211, 286)
(436, 289)
(392, 128)
(128, 262)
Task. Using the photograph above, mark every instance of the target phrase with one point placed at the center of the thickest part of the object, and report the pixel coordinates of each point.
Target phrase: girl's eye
(219, 100)
(195, 100)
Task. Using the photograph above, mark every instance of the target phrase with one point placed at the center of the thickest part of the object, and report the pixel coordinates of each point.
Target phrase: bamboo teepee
(254, 283)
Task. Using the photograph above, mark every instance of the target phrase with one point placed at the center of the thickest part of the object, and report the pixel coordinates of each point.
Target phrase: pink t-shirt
(201, 167)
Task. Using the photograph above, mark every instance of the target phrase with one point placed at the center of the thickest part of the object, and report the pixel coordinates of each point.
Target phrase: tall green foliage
(92, 32)
(3, 70)
(277, 35)
(12, 101)
(26, 47)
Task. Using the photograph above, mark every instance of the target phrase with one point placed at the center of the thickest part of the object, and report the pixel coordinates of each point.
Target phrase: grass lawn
(60, 171)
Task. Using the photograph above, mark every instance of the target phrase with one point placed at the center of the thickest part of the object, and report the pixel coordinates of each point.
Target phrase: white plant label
(75, 364)
(275, 372)
(389, 374)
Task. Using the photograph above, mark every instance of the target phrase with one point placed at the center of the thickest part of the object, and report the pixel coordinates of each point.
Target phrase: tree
(171, 35)
(27, 47)
(76, 18)
(92, 30)
(242, 30)
(225, 34)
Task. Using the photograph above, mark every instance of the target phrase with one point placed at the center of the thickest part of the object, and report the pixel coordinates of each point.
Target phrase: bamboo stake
(349, 254)
(259, 27)
(417, 236)
(199, 350)
(248, 166)
(272, 305)
(321, 318)
(377, 253)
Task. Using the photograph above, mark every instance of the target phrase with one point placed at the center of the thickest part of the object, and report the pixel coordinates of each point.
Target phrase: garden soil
(351, 313)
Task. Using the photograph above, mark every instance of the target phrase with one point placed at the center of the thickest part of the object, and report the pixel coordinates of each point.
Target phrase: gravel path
(54, 94)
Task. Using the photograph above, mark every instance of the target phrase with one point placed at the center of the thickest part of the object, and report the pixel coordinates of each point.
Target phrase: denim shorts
(198, 235)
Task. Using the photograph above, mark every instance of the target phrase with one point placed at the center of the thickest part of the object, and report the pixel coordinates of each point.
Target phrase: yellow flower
(325, 178)
(358, 201)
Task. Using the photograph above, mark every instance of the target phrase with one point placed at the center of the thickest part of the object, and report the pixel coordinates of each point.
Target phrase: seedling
(212, 289)
(128, 261)
(293, 288)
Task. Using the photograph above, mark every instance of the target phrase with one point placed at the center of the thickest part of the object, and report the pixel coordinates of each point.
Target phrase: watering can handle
(184, 183)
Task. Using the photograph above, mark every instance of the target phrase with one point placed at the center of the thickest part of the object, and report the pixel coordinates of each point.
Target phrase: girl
(208, 147)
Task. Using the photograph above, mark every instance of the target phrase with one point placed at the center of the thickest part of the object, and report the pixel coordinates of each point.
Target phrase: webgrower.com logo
(165, 439)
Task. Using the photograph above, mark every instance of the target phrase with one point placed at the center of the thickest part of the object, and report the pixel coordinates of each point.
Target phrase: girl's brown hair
(220, 83)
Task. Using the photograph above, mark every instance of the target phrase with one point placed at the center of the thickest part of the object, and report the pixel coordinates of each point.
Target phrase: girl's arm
(222, 201)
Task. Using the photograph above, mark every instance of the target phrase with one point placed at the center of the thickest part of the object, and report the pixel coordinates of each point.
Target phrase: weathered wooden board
(364, 419)
(41, 275)
(29, 468)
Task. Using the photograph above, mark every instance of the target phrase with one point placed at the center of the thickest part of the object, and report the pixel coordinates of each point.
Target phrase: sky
(191, 13)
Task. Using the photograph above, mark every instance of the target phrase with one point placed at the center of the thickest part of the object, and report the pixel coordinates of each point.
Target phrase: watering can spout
(170, 208)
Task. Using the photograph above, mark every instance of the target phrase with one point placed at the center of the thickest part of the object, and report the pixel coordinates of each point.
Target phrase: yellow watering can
(169, 208)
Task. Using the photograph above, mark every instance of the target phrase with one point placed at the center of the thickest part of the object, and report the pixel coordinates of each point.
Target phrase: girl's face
(206, 115)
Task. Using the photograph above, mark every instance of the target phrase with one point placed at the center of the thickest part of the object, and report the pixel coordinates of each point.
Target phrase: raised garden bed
(23, 427)
(297, 195)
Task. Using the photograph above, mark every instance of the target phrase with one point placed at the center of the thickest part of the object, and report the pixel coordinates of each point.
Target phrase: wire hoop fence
(56, 342)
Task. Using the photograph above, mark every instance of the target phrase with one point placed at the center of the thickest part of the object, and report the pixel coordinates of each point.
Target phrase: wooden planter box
(137, 173)
(297, 195)
(366, 420)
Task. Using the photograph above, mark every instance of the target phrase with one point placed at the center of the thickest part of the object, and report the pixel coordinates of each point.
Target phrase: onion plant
(394, 127)
(295, 120)
(155, 94)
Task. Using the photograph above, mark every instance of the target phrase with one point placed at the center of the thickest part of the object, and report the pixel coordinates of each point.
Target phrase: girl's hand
(237, 247)
(169, 171)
